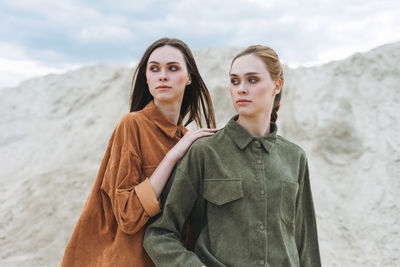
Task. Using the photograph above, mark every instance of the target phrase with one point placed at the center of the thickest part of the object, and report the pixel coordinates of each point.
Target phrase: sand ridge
(344, 114)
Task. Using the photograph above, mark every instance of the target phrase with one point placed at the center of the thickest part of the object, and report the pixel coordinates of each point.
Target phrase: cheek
(151, 81)
(232, 91)
(150, 77)
(261, 91)
(181, 78)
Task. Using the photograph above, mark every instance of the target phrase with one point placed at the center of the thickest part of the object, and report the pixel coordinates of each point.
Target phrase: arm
(133, 200)
(162, 237)
(161, 174)
(306, 226)
(130, 200)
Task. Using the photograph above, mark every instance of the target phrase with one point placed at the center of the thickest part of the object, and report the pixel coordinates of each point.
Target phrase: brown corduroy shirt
(111, 226)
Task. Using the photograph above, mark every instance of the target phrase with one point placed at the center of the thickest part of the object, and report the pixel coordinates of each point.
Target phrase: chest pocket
(288, 202)
(221, 191)
(224, 204)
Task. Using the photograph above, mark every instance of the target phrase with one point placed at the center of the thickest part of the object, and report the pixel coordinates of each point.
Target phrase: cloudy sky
(38, 37)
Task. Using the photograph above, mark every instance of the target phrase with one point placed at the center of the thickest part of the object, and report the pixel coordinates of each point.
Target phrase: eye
(173, 68)
(153, 68)
(234, 81)
(253, 80)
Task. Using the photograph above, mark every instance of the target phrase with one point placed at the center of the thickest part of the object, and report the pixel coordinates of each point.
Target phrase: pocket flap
(221, 191)
(288, 201)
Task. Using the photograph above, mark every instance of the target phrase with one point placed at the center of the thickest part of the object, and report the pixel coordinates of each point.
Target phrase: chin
(247, 114)
(163, 97)
(244, 111)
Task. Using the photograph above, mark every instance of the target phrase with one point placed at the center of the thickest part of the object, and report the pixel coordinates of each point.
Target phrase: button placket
(260, 227)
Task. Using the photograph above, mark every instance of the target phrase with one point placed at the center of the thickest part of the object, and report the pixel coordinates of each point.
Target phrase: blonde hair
(274, 67)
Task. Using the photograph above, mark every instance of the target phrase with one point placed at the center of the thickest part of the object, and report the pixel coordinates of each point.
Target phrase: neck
(169, 110)
(257, 126)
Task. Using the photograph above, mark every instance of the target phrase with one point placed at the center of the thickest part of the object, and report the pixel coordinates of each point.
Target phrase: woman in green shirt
(245, 189)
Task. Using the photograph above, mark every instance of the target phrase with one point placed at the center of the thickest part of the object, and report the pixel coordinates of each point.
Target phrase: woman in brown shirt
(142, 151)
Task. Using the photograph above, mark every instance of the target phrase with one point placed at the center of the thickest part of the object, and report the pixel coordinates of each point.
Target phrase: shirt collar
(162, 122)
(242, 137)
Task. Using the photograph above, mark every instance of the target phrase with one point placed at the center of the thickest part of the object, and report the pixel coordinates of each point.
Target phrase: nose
(163, 76)
(241, 90)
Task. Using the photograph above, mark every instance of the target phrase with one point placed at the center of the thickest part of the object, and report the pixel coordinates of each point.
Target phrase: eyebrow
(169, 63)
(247, 74)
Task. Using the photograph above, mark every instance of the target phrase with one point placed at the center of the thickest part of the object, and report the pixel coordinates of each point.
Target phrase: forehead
(167, 54)
(248, 63)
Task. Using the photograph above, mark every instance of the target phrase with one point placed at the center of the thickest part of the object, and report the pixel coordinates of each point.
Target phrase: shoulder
(200, 150)
(289, 147)
(126, 132)
(132, 121)
(133, 118)
(207, 143)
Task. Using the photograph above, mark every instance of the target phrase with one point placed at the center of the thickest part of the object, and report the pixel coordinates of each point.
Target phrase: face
(167, 75)
(252, 89)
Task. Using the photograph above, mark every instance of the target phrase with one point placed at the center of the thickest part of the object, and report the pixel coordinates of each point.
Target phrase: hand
(179, 150)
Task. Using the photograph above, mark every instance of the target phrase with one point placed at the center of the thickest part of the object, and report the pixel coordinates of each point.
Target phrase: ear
(278, 86)
(189, 81)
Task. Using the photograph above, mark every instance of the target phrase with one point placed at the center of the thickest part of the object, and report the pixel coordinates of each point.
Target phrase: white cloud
(16, 66)
(103, 33)
(265, 4)
(12, 72)
(303, 32)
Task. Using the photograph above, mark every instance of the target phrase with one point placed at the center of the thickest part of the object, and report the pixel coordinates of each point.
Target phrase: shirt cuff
(148, 198)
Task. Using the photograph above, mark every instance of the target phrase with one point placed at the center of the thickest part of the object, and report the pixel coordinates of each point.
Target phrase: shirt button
(257, 143)
(262, 262)
(259, 161)
(262, 192)
(262, 227)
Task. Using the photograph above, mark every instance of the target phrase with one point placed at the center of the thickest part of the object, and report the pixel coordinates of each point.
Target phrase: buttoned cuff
(148, 198)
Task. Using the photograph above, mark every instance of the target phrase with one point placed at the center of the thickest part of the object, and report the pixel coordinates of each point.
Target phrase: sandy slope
(54, 131)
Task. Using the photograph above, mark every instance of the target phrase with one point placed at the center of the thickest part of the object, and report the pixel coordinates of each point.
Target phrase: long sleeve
(132, 197)
(111, 227)
(306, 227)
(161, 240)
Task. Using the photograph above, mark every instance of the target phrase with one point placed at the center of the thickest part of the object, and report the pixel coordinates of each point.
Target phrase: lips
(163, 87)
(243, 101)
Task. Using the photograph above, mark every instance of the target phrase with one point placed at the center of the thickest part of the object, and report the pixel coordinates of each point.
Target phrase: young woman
(142, 151)
(245, 189)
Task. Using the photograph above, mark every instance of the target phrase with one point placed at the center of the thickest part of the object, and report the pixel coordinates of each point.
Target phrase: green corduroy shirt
(249, 201)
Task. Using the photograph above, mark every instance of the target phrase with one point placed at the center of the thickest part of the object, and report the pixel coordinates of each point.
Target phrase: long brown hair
(196, 93)
(274, 67)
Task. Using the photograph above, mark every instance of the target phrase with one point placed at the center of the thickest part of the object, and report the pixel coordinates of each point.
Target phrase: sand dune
(54, 130)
